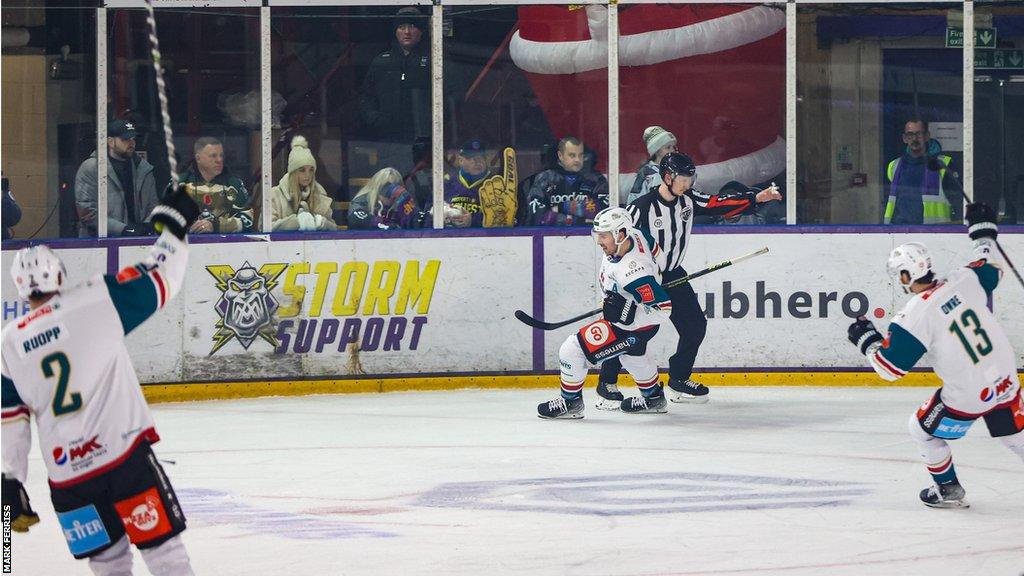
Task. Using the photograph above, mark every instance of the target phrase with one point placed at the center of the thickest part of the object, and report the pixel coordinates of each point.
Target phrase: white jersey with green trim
(968, 349)
(66, 364)
(635, 276)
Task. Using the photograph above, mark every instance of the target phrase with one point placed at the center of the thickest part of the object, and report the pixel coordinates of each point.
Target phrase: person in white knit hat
(659, 142)
(298, 202)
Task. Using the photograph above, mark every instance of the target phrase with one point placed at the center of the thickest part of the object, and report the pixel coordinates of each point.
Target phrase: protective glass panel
(353, 83)
(211, 59)
(998, 102)
(708, 81)
(519, 79)
(49, 116)
(879, 114)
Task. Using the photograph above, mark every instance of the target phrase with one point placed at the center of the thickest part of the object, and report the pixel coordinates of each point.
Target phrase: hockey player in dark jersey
(666, 213)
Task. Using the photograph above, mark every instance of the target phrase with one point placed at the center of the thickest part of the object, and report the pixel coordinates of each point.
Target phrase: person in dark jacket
(568, 194)
(394, 103)
(131, 186)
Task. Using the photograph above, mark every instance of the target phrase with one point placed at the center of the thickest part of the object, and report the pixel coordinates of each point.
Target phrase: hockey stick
(530, 321)
(154, 45)
(995, 240)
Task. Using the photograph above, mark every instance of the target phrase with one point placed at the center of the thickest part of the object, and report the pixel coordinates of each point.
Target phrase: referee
(666, 213)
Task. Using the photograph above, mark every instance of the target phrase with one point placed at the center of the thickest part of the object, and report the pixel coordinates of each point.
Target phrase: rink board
(379, 312)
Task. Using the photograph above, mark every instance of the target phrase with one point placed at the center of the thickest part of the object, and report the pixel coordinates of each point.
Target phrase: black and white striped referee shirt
(670, 223)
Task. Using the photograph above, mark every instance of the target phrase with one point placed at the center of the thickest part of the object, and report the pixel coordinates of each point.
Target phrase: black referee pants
(690, 323)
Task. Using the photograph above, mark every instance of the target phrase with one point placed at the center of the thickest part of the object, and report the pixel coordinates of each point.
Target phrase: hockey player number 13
(969, 320)
(57, 364)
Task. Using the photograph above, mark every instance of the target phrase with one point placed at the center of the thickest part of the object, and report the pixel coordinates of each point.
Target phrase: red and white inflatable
(714, 75)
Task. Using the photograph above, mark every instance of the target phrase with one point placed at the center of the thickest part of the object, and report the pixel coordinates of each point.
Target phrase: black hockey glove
(981, 221)
(176, 212)
(862, 334)
(618, 309)
(15, 500)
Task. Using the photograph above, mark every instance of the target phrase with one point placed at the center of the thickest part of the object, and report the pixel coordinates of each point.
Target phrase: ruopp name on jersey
(48, 336)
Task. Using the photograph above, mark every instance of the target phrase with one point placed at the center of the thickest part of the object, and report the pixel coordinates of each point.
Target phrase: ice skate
(687, 391)
(653, 404)
(561, 408)
(609, 396)
(945, 496)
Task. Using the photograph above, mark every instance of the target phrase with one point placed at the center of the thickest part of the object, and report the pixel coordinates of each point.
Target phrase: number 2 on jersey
(969, 320)
(63, 403)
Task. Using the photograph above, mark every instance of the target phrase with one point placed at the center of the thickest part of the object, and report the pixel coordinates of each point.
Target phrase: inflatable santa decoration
(714, 75)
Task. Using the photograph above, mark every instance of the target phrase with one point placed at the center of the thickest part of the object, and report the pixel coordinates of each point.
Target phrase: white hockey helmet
(38, 270)
(912, 258)
(612, 220)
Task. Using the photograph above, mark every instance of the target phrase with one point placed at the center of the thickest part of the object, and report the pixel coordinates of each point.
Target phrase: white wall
(468, 326)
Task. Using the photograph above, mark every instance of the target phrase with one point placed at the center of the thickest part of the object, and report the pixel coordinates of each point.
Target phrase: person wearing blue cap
(131, 186)
(462, 187)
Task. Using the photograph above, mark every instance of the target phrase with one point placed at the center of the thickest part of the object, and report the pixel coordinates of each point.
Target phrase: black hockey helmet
(677, 164)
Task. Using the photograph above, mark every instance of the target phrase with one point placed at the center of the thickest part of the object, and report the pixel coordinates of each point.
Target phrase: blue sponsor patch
(951, 429)
(83, 529)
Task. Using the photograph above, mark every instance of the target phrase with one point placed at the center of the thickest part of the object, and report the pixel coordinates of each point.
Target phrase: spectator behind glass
(299, 202)
(923, 189)
(659, 142)
(567, 195)
(223, 199)
(462, 187)
(131, 187)
(394, 102)
(11, 210)
(384, 203)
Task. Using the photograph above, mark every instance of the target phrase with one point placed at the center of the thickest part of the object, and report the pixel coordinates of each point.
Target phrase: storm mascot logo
(246, 307)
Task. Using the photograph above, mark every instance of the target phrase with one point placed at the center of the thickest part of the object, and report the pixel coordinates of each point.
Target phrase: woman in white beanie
(659, 142)
(298, 202)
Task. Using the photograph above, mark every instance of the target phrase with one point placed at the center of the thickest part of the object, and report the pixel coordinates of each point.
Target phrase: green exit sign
(983, 37)
(999, 59)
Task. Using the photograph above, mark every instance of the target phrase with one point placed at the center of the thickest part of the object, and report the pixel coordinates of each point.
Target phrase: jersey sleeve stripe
(14, 412)
(888, 366)
(161, 288)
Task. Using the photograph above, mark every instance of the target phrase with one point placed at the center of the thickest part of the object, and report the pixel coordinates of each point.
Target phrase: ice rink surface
(791, 481)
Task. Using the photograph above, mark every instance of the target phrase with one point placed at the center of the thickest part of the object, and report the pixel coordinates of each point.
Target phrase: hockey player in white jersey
(634, 303)
(66, 365)
(949, 317)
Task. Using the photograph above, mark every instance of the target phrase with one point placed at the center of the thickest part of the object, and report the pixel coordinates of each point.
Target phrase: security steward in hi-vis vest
(922, 188)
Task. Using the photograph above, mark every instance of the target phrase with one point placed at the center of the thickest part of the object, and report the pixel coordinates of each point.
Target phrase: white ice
(791, 481)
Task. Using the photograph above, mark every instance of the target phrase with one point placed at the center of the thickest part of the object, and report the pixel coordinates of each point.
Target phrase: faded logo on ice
(638, 494)
(246, 306)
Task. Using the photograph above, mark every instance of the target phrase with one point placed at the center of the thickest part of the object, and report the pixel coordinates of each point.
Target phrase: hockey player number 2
(970, 321)
(63, 403)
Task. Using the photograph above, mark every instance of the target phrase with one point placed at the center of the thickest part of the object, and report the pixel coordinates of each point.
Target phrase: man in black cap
(131, 187)
(394, 103)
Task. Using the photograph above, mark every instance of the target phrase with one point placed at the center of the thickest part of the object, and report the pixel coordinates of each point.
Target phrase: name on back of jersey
(51, 335)
(951, 304)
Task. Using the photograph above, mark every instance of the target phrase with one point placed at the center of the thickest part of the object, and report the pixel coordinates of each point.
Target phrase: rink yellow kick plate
(224, 390)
